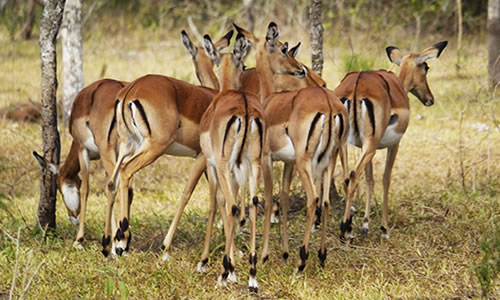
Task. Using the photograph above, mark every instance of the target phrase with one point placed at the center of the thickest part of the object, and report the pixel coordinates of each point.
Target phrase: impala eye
(300, 73)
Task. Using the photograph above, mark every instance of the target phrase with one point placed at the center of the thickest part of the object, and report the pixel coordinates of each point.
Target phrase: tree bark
(49, 27)
(316, 36)
(494, 41)
(71, 32)
(30, 19)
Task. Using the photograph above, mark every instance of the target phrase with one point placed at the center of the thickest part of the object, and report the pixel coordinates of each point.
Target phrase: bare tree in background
(49, 26)
(316, 36)
(249, 4)
(494, 41)
(30, 19)
(71, 32)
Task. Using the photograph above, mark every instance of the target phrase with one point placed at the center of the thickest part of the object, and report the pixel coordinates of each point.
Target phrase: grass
(443, 201)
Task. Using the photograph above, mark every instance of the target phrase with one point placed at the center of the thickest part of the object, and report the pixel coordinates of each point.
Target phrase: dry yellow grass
(436, 222)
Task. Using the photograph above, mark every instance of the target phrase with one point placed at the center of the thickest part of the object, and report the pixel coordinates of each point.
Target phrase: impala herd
(235, 125)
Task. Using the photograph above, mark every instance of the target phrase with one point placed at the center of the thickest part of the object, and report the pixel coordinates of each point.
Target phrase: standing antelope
(156, 115)
(379, 112)
(231, 137)
(92, 125)
(304, 127)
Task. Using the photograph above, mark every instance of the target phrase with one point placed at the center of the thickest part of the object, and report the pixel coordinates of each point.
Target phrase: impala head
(276, 63)
(68, 187)
(414, 69)
(231, 64)
(202, 62)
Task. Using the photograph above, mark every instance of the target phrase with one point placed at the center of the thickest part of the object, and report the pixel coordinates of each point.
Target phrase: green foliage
(11, 17)
(356, 62)
(489, 267)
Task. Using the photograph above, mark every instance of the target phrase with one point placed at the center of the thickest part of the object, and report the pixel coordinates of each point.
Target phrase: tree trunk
(494, 41)
(316, 36)
(71, 32)
(49, 26)
(30, 19)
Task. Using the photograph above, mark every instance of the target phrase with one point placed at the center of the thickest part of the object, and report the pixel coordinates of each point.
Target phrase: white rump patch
(71, 196)
(177, 149)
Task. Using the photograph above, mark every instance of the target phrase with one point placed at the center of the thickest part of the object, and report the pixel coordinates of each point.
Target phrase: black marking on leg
(119, 235)
(351, 175)
(229, 123)
(128, 241)
(142, 112)
(322, 257)
(365, 220)
(204, 262)
(235, 210)
(106, 240)
(304, 255)
(124, 224)
(130, 194)
(347, 182)
(80, 240)
(253, 271)
(384, 231)
(252, 259)
(265, 259)
(105, 252)
(255, 200)
(345, 227)
(318, 216)
(224, 275)
(301, 267)
(226, 262)
(311, 129)
(163, 247)
(371, 113)
(242, 222)
(285, 255)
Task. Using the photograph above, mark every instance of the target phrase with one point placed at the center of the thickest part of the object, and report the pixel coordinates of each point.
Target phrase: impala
(156, 115)
(92, 125)
(304, 127)
(379, 112)
(231, 136)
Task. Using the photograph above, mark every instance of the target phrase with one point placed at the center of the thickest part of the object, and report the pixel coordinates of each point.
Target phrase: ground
(443, 201)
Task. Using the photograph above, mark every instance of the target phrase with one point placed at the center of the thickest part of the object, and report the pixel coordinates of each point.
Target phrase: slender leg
(268, 195)
(367, 154)
(194, 177)
(304, 168)
(253, 185)
(211, 216)
(389, 163)
(84, 161)
(284, 202)
(327, 175)
(370, 182)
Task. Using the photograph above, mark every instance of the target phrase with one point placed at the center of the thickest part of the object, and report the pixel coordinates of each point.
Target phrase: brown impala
(379, 112)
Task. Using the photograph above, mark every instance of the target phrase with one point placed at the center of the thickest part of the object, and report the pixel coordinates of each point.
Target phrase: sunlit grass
(443, 200)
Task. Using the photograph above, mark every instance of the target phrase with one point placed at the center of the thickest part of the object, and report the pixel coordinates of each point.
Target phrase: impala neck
(404, 78)
(207, 77)
(265, 74)
(71, 166)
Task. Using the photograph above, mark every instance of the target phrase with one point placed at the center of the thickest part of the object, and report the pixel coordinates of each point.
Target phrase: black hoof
(242, 222)
(322, 258)
(119, 251)
(105, 252)
(285, 256)
(301, 268)
(265, 259)
(253, 289)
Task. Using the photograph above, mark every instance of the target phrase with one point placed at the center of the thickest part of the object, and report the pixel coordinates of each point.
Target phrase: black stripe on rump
(311, 129)
(355, 117)
(113, 121)
(143, 113)
(371, 114)
(261, 133)
(341, 131)
(229, 124)
(238, 160)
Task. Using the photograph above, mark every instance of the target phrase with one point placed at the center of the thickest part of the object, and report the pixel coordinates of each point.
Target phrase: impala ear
(241, 49)
(224, 42)
(273, 32)
(295, 50)
(394, 55)
(45, 164)
(210, 49)
(186, 41)
(431, 53)
(251, 38)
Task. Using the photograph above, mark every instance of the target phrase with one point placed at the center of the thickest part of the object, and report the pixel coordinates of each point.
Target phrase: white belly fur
(390, 138)
(177, 149)
(286, 154)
